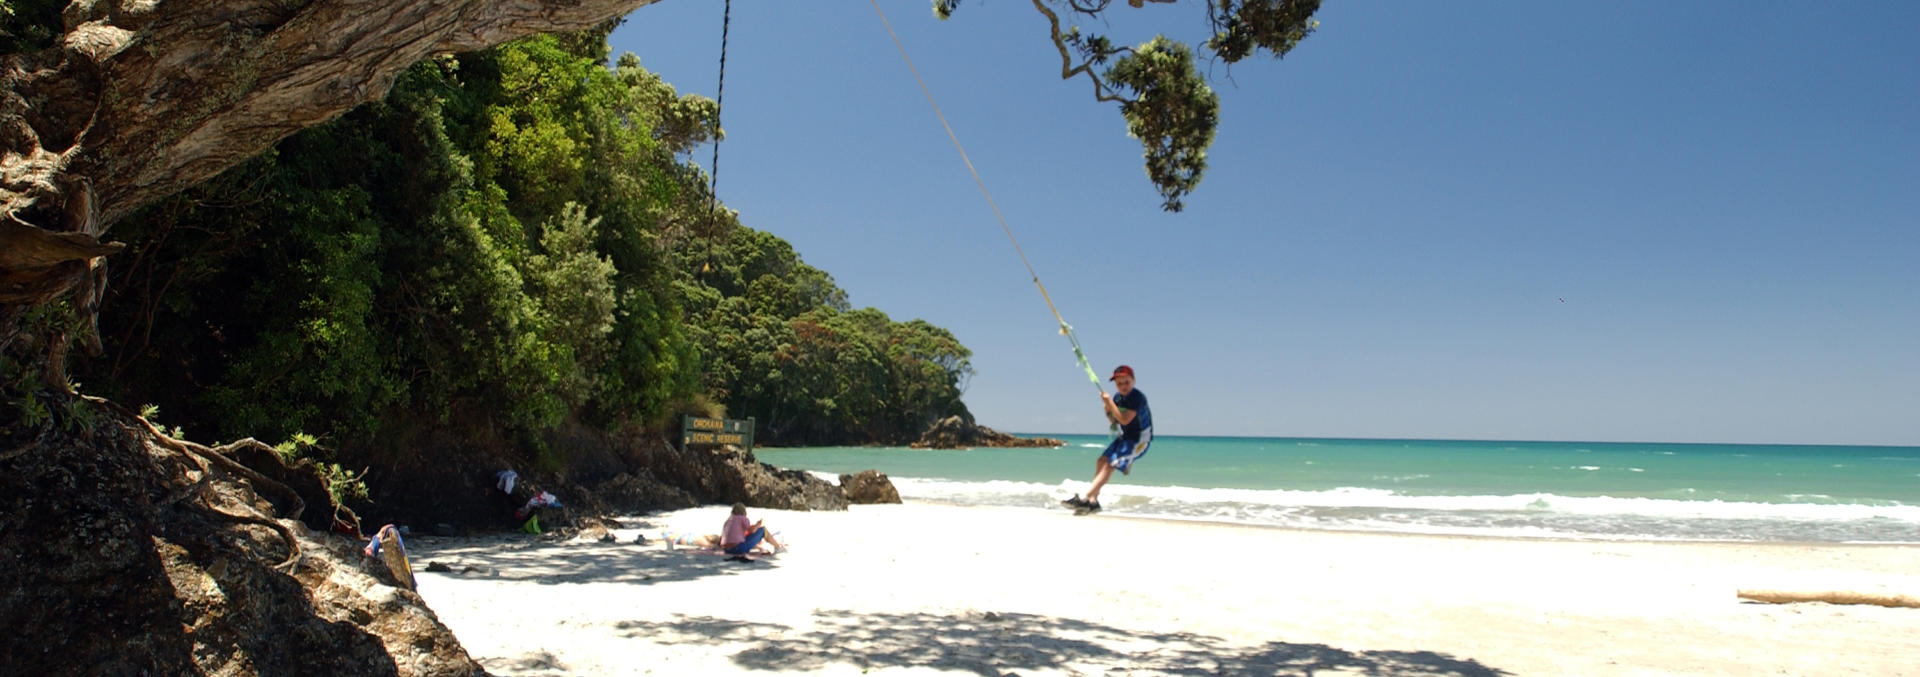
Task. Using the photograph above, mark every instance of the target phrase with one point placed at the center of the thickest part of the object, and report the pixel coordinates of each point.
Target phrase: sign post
(714, 431)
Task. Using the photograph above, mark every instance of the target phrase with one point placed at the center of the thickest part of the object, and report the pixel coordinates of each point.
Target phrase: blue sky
(1652, 221)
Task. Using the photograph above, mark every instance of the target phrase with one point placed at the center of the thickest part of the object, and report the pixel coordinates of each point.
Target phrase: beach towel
(539, 500)
(392, 551)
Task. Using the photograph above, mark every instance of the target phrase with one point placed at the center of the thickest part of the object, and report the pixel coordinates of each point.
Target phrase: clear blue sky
(1725, 195)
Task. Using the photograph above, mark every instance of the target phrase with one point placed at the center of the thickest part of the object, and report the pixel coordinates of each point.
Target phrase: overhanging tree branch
(1067, 68)
(1167, 104)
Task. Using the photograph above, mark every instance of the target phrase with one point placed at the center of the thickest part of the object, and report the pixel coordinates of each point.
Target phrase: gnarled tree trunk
(142, 98)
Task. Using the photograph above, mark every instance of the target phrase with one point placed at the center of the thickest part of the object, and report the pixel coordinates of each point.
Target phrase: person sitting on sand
(1128, 407)
(739, 537)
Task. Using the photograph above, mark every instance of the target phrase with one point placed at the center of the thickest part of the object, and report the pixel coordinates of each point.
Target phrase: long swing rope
(1065, 329)
(719, 95)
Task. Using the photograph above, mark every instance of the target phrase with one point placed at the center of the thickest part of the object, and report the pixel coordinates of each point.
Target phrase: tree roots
(207, 458)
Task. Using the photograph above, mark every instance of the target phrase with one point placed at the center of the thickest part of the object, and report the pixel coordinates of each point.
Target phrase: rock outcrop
(731, 475)
(128, 552)
(868, 487)
(447, 476)
(955, 432)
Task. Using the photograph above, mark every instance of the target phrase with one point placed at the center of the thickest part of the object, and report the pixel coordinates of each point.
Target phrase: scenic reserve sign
(709, 431)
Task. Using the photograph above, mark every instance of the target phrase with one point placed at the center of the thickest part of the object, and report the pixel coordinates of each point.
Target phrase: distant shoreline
(1444, 440)
(1465, 440)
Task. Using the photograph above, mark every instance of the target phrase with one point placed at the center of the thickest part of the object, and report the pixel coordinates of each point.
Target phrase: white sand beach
(924, 589)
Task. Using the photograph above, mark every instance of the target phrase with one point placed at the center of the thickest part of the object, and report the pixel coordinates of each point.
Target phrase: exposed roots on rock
(191, 490)
(205, 457)
(130, 552)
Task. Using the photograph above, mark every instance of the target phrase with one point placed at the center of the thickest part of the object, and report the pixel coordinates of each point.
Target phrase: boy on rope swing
(1128, 407)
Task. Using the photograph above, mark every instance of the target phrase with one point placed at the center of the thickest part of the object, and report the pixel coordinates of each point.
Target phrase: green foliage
(574, 287)
(33, 412)
(1273, 25)
(1172, 112)
(1166, 103)
(779, 343)
(32, 402)
(343, 485)
(80, 414)
(486, 239)
(943, 9)
(295, 447)
(512, 236)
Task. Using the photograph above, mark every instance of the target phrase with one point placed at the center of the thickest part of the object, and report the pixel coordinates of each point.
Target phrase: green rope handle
(1113, 427)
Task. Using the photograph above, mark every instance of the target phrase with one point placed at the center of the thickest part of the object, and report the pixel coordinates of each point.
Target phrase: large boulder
(729, 474)
(957, 432)
(868, 487)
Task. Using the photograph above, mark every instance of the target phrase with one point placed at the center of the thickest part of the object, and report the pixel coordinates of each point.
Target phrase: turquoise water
(1547, 489)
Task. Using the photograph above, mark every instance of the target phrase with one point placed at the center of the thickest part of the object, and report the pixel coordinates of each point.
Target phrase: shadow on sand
(516, 559)
(998, 644)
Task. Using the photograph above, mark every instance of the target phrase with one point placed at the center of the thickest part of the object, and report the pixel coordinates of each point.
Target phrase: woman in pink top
(739, 537)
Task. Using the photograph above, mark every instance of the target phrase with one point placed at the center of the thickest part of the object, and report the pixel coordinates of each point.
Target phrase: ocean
(1582, 490)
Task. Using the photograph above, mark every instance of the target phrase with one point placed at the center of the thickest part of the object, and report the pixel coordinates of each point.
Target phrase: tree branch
(1067, 69)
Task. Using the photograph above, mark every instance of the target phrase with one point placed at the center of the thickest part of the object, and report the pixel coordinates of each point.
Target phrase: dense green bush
(509, 234)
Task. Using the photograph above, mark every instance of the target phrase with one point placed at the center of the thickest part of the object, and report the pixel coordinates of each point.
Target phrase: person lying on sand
(679, 538)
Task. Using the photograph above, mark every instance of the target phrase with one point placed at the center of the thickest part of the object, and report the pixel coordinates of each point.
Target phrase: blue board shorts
(746, 545)
(1123, 452)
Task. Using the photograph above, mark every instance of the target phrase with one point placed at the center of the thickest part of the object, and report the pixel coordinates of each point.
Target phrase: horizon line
(1486, 440)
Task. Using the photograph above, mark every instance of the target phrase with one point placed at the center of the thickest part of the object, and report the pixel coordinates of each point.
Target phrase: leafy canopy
(1164, 99)
(510, 236)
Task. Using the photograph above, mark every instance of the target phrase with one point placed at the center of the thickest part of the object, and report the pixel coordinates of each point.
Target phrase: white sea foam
(1518, 514)
(1401, 478)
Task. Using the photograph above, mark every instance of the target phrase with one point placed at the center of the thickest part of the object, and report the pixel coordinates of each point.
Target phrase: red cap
(1122, 369)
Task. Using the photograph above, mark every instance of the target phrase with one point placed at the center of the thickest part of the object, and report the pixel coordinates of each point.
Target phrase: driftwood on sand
(1831, 597)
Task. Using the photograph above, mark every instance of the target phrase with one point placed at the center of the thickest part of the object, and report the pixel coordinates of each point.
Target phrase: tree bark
(142, 98)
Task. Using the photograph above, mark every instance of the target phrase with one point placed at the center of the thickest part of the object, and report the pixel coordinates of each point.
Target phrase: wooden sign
(711, 431)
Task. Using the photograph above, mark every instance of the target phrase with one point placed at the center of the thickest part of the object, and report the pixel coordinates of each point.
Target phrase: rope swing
(719, 95)
(1065, 329)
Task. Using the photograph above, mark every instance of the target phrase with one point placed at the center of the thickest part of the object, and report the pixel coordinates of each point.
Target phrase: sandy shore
(931, 589)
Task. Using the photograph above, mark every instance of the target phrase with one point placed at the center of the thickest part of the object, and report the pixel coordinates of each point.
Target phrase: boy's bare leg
(1102, 470)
